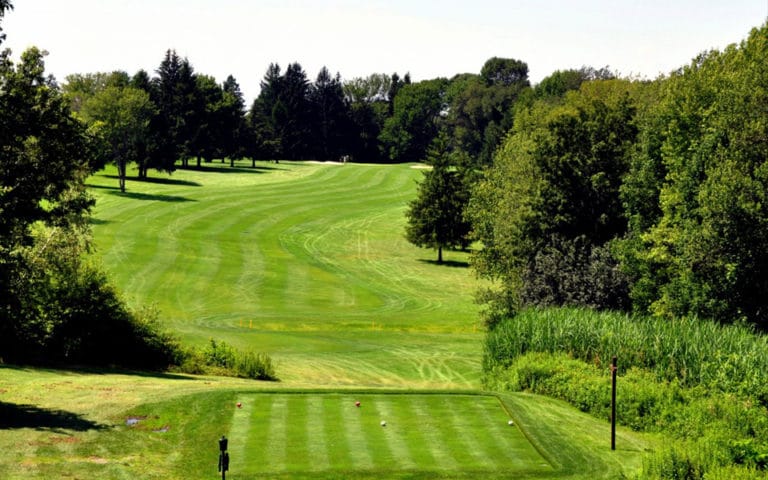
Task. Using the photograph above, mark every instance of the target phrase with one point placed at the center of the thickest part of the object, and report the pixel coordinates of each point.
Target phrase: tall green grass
(694, 352)
(698, 382)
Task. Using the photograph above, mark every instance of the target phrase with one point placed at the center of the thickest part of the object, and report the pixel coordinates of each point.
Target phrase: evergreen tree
(330, 116)
(232, 143)
(264, 136)
(436, 216)
(174, 93)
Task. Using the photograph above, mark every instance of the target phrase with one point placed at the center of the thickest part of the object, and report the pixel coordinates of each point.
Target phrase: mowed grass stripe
(398, 455)
(444, 455)
(297, 440)
(357, 428)
(276, 440)
(316, 427)
(334, 434)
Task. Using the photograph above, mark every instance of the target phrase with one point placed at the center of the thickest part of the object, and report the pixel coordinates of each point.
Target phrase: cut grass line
(297, 440)
(315, 427)
(463, 415)
(335, 438)
(443, 455)
(239, 431)
(356, 425)
(399, 454)
(276, 440)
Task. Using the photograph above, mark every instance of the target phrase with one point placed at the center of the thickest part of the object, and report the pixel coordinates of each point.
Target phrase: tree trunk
(121, 174)
(198, 161)
(440, 254)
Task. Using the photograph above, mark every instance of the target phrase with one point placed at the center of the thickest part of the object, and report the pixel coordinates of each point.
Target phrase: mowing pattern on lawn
(305, 262)
(302, 247)
(287, 434)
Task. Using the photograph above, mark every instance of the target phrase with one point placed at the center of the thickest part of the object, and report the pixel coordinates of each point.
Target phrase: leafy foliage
(552, 195)
(54, 305)
(222, 359)
(415, 121)
(696, 192)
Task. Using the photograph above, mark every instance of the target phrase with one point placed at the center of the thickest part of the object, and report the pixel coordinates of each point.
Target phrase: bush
(220, 358)
(574, 273)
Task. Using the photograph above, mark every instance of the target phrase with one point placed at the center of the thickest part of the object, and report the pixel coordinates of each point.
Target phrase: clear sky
(428, 38)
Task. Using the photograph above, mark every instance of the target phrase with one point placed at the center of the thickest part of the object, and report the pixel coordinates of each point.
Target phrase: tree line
(641, 196)
(163, 121)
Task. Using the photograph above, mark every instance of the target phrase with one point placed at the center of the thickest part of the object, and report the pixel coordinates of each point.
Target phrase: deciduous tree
(415, 121)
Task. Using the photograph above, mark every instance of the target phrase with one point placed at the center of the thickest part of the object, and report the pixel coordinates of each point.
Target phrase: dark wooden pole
(614, 368)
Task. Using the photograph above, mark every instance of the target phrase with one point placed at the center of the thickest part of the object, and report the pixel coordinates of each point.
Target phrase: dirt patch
(98, 460)
(64, 440)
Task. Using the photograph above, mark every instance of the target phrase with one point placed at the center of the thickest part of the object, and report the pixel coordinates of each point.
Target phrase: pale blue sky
(428, 38)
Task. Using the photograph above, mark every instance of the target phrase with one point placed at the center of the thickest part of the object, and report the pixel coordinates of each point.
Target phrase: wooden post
(614, 368)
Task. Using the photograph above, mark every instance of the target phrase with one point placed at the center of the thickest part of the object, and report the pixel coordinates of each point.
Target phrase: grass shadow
(85, 370)
(150, 196)
(447, 263)
(208, 168)
(157, 180)
(98, 221)
(13, 416)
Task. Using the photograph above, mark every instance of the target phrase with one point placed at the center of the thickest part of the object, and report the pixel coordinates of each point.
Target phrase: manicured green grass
(306, 262)
(307, 434)
(58, 424)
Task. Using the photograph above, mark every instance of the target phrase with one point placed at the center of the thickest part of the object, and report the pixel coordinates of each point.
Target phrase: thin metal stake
(614, 369)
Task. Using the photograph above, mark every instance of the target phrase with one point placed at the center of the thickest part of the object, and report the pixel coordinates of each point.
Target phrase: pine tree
(436, 216)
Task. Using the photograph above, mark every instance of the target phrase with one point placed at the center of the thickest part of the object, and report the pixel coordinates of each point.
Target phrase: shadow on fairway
(447, 263)
(150, 196)
(13, 416)
(140, 196)
(84, 370)
(227, 169)
(157, 180)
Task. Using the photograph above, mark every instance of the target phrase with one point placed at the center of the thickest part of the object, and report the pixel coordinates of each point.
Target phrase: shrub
(220, 358)
(574, 273)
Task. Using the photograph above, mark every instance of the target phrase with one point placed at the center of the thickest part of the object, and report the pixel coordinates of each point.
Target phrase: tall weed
(729, 358)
